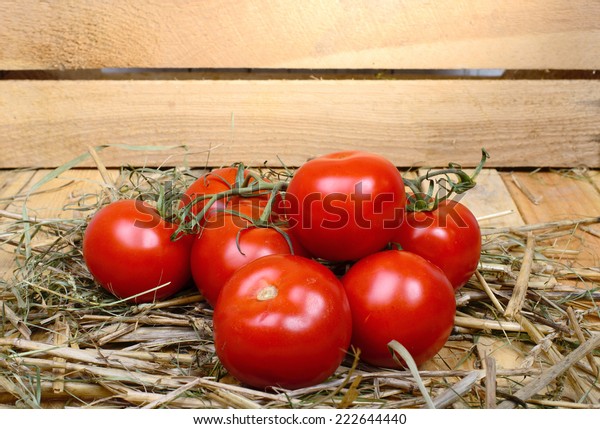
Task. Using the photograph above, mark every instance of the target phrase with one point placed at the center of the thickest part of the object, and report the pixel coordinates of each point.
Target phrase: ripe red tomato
(282, 320)
(448, 236)
(227, 242)
(221, 180)
(213, 182)
(397, 295)
(345, 205)
(127, 248)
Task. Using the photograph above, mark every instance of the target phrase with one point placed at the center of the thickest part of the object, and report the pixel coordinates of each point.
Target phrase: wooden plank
(490, 201)
(521, 123)
(507, 354)
(12, 184)
(452, 34)
(559, 197)
(57, 197)
(46, 202)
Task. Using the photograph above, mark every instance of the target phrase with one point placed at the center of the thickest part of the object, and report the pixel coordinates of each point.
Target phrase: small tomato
(128, 249)
(228, 241)
(448, 236)
(397, 295)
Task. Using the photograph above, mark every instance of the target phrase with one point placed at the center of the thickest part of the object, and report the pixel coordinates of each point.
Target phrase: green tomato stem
(456, 179)
(188, 223)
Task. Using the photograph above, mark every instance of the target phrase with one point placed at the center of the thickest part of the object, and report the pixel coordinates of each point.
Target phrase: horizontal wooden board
(414, 123)
(387, 34)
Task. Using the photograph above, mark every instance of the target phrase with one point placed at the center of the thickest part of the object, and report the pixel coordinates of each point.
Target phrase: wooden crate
(422, 83)
(278, 108)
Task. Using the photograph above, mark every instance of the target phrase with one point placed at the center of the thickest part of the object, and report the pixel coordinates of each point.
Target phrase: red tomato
(127, 248)
(345, 205)
(213, 182)
(282, 320)
(448, 236)
(221, 180)
(216, 255)
(397, 295)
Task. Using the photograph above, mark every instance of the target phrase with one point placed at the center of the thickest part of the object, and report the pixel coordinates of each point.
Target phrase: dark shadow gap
(295, 74)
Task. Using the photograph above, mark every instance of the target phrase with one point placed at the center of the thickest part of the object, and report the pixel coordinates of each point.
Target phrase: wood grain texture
(12, 183)
(54, 199)
(490, 201)
(520, 123)
(560, 197)
(515, 34)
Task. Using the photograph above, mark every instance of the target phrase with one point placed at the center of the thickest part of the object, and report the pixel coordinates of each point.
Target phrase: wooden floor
(501, 198)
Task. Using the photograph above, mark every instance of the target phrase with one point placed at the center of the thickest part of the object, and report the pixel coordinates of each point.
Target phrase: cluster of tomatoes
(298, 271)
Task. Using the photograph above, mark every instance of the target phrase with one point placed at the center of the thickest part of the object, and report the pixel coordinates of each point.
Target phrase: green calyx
(441, 185)
(248, 184)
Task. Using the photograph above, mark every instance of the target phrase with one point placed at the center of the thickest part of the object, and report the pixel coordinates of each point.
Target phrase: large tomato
(228, 241)
(345, 205)
(282, 320)
(397, 295)
(127, 248)
(448, 236)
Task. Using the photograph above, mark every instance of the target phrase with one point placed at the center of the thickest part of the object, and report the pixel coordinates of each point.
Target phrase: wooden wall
(239, 80)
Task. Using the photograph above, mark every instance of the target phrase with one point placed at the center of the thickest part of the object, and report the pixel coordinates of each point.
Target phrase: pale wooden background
(246, 81)
(253, 96)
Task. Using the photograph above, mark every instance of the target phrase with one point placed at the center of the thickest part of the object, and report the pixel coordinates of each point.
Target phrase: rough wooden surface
(310, 34)
(46, 202)
(559, 196)
(521, 123)
(490, 201)
(12, 183)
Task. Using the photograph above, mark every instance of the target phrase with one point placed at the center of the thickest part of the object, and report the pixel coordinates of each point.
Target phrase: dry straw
(527, 330)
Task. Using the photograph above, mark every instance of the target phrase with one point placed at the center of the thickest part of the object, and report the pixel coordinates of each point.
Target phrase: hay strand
(454, 393)
(490, 382)
(552, 373)
(578, 331)
(520, 290)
